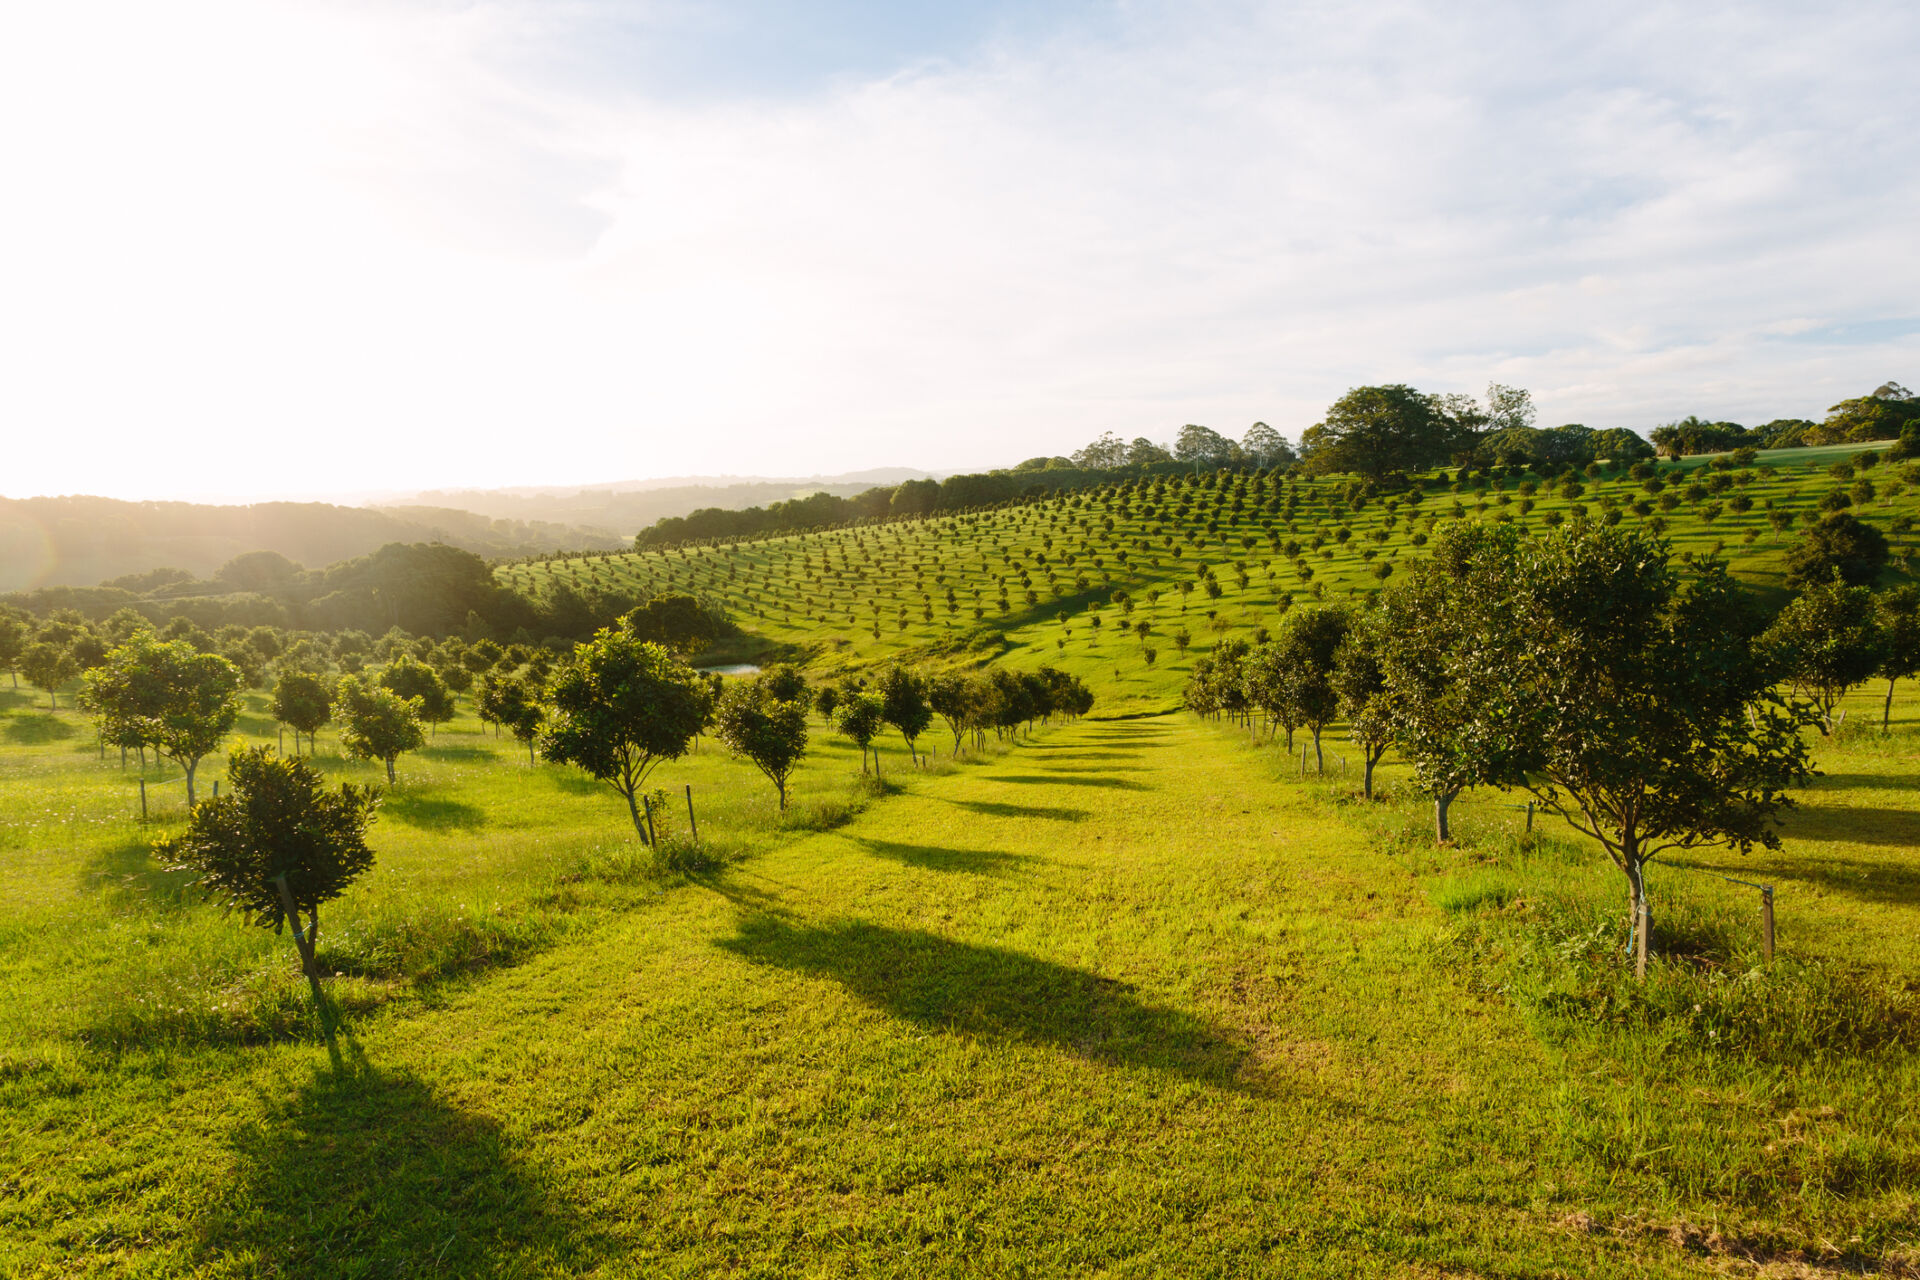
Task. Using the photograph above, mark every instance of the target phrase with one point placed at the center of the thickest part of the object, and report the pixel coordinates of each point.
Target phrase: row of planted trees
(1643, 706)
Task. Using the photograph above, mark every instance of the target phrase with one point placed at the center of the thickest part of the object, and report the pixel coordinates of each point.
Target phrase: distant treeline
(82, 540)
(423, 588)
(1890, 413)
(912, 499)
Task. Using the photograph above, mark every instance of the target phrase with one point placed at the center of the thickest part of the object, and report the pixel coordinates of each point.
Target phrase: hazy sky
(262, 248)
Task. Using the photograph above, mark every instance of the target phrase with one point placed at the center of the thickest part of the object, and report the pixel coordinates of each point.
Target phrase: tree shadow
(127, 872)
(1867, 880)
(1000, 809)
(1867, 782)
(32, 729)
(1853, 824)
(12, 699)
(1083, 753)
(1075, 780)
(986, 862)
(370, 1172)
(457, 753)
(432, 813)
(994, 993)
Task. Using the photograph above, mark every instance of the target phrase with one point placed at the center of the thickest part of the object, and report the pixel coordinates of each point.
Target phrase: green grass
(820, 594)
(1128, 999)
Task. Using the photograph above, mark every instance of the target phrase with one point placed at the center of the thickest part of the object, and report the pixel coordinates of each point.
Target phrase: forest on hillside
(80, 541)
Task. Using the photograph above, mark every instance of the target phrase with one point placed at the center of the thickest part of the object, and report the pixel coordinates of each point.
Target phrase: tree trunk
(1319, 761)
(1886, 708)
(389, 770)
(640, 827)
(1441, 803)
(783, 794)
(1640, 913)
(189, 766)
(1366, 773)
(530, 758)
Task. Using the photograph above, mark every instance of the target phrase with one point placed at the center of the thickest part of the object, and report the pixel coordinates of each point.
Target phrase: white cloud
(296, 248)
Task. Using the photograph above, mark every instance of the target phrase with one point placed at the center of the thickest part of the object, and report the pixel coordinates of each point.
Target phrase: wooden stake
(1766, 920)
(692, 825)
(143, 799)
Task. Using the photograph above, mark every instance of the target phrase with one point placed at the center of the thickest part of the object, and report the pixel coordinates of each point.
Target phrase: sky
(296, 248)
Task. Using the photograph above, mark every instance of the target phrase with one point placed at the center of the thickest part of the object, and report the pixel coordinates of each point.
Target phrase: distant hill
(82, 541)
(629, 506)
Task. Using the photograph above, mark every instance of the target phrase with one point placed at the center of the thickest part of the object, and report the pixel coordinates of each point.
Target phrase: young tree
(771, 731)
(1840, 543)
(1634, 705)
(1360, 684)
(1827, 641)
(1899, 642)
(619, 707)
(377, 723)
(167, 693)
(860, 716)
(47, 666)
(1305, 648)
(515, 702)
(303, 702)
(278, 836)
(412, 679)
(16, 633)
(1447, 721)
(954, 698)
(903, 701)
(784, 682)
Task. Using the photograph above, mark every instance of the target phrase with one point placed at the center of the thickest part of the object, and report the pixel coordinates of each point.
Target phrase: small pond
(734, 669)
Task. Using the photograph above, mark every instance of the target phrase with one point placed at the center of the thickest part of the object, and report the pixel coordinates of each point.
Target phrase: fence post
(1766, 920)
(143, 799)
(1529, 815)
(647, 805)
(216, 788)
(694, 826)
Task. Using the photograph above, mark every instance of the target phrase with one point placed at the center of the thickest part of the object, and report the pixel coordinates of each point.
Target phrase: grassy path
(1113, 1004)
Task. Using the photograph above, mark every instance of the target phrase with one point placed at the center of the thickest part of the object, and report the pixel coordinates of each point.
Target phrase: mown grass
(1129, 999)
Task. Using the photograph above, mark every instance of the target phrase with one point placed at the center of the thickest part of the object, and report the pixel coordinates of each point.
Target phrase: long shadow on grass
(371, 1172)
(127, 872)
(448, 751)
(432, 813)
(1870, 881)
(986, 862)
(33, 729)
(1868, 782)
(1854, 824)
(999, 809)
(1075, 780)
(993, 993)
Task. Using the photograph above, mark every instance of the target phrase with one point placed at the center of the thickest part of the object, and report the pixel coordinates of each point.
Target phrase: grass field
(1039, 580)
(1129, 998)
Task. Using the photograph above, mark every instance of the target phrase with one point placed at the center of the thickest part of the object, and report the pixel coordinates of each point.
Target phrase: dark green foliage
(860, 717)
(278, 818)
(302, 701)
(619, 707)
(1826, 641)
(1374, 431)
(166, 693)
(1840, 543)
(376, 723)
(754, 721)
(1638, 708)
(408, 677)
(676, 622)
(903, 704)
